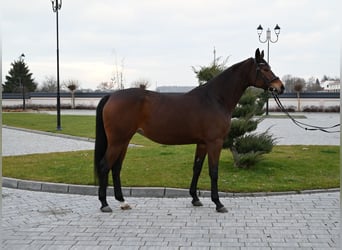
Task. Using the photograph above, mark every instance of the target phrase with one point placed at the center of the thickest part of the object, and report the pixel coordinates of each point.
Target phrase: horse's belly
(169, 137)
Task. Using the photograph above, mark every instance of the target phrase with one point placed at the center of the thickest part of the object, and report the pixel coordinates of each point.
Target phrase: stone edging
(157, 192)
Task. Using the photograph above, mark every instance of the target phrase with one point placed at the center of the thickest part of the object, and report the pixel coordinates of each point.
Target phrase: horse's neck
(231, 84)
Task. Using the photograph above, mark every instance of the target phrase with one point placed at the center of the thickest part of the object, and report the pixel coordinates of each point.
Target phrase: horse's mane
(225, 73)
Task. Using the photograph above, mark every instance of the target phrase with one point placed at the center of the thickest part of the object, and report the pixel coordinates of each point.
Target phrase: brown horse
(201, 116)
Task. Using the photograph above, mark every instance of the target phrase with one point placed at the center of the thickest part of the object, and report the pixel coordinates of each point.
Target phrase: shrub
(248, 149)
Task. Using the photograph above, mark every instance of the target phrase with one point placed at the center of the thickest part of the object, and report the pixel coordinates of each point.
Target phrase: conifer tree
(19, 76)
(246, 147)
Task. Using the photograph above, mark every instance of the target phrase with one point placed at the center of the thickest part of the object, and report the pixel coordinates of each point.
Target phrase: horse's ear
(262, 54)
(257, 54)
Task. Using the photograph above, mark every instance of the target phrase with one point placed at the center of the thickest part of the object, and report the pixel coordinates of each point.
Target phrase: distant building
(331, 85)
(174, 89)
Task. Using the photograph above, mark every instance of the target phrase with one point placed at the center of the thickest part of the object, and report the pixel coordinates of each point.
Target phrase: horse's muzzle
(277, 91)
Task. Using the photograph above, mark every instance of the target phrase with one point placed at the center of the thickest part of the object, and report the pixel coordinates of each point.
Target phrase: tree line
(20, 80)
(298, 84)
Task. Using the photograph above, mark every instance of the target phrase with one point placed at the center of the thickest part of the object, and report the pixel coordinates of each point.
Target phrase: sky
(160, 41)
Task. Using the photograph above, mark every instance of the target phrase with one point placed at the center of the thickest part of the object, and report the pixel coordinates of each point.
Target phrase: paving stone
(81, 189)
(150, 192)
(176, 193)
(30, 185)
(10, 182)
(46, 220)
(54, 188)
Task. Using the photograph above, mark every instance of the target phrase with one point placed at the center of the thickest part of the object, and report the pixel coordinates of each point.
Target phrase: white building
(331, 85)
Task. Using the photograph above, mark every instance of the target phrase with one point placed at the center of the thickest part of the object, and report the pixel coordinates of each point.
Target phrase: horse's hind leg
(200, 154)
(111, 161)
(103, 184)
(116, 170)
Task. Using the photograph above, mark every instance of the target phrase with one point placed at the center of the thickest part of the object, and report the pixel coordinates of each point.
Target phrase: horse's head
(265, 78)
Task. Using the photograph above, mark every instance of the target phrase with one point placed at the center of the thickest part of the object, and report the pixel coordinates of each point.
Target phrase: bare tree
(118, 77)
(313, 84)
(49, 84)
(141, 83)
(72, 85)
(298, 87)
(105, 86)
(290, 82)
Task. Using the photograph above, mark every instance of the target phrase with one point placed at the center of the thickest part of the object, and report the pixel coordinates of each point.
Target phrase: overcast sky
(160, 40)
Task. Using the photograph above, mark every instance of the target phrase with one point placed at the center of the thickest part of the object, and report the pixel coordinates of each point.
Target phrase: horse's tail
(101, 138)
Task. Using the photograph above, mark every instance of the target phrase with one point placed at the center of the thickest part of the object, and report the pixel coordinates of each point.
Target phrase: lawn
(286, 168)
(78, 125)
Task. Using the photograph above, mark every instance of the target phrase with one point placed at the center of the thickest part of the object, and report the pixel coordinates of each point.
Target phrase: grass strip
(287, 168)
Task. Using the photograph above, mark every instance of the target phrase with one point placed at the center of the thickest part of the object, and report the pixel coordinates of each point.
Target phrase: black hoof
(222, 210)
(197, 203)
(106, 209)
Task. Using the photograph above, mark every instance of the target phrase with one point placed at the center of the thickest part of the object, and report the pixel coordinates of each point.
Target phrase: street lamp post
(56, 5)
(267, 40)
(21, 58)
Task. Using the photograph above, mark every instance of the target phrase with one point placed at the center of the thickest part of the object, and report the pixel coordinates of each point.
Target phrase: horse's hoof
(106, 209)
(125, 206)
(197, 203)
(222, 210)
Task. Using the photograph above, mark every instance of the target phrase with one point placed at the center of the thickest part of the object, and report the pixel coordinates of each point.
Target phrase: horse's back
(133, 99)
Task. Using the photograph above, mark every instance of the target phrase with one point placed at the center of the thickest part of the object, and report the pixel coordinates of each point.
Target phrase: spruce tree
(246, 147)
(18, 76)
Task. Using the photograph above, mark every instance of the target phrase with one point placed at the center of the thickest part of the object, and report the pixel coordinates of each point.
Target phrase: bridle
(264, 78)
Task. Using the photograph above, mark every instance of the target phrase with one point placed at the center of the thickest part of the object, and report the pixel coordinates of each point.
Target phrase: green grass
(78, 125)
(286, 168)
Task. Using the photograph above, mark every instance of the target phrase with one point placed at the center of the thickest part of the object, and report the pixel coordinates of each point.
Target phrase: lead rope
(301, 124)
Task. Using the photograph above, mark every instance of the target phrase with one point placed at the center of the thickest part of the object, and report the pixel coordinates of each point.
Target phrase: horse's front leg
(200, 154)
(214, 151)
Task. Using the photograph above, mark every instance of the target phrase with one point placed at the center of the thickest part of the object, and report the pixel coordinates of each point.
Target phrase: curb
(151, 192)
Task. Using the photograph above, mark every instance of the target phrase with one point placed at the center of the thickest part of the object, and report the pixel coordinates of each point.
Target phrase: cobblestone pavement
(36, 220)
